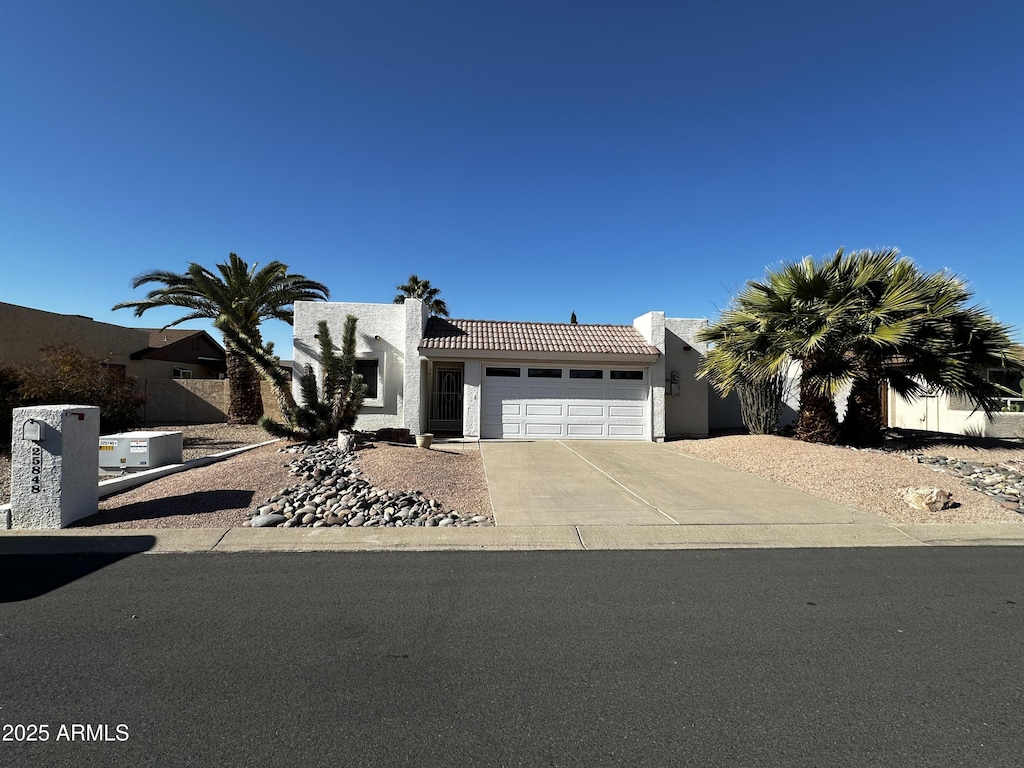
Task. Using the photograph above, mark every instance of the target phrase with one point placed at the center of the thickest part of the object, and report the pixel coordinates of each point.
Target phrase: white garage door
(543, 401)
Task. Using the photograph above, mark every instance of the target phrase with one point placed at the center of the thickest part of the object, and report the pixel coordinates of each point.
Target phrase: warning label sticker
(137, 446)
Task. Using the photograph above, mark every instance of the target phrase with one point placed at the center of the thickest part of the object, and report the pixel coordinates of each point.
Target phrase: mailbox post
(54, 466)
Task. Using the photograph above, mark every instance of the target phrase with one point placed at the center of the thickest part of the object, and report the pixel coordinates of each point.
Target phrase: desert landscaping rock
(331, 493)
(931, 499)
(1004, 483)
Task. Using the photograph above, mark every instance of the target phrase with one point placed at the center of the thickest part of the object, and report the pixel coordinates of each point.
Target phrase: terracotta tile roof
(502, 336)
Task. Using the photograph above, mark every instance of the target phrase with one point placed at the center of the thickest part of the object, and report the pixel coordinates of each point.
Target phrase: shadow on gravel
(916, 439)
(32, 566)
(155, 509)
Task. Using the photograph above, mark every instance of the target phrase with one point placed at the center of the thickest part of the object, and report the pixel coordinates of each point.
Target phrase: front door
(446, 401)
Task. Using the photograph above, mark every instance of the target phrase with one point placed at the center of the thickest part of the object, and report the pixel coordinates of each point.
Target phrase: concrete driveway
(583, 482)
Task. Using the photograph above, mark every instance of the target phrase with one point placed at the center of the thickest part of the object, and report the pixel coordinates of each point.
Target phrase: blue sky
(530, 159)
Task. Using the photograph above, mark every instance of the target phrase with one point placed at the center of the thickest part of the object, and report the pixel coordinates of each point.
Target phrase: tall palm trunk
(864, 423)
(817, 421)
(245, 404)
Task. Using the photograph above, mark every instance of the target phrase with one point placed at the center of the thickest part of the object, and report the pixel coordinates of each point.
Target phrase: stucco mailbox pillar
(54, 465)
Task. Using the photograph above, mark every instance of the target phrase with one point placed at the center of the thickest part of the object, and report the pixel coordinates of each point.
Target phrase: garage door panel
(627, 394)
(579, 410)
(625, 411)
(587, 393)
(504, 390)
(585, 430)
(511, 409)
(543, 430)
(625, 430)
(544, 409)
(539, 392)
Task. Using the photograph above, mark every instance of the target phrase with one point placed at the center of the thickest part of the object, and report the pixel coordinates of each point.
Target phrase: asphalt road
(852, 657)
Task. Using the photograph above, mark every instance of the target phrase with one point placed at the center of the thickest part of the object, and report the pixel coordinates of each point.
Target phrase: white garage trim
(544, 400)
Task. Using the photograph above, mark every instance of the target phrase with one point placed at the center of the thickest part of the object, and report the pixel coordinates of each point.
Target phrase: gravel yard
(868, 480)
(219, 495)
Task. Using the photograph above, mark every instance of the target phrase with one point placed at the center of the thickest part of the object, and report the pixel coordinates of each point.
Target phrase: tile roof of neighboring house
(502, 336)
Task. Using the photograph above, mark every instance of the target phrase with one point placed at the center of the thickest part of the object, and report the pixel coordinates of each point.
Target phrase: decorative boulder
(931, 499)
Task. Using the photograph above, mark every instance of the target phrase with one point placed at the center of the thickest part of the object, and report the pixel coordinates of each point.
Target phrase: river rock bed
(332, 494)
(1003, 482)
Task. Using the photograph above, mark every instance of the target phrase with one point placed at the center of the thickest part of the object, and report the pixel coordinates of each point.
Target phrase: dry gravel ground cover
(219, 495)
(868, 480)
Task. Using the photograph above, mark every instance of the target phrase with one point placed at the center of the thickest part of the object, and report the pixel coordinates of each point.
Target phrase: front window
(370, 371)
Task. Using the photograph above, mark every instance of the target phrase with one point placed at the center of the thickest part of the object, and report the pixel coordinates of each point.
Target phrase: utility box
(135, 451)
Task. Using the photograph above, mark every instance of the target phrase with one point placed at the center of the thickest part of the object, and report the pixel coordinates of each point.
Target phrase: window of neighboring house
(501, 371)
(370, 371)
(585, 373)
(544, 373)
(181, 373)
(628, 375)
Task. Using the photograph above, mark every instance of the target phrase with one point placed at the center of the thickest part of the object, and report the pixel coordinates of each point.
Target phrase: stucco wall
(26, 331)
(195, 401)
(471, 403)
(943, 414)
(686, 414)
(386, 332)
(652, 327)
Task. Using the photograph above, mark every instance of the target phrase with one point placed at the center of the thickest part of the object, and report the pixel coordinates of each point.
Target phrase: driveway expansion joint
(627, 490)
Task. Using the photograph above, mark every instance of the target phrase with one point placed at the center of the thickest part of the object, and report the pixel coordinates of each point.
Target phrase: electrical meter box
(135, 451)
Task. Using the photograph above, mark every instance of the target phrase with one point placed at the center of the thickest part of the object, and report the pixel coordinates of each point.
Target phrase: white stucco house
(483, 379)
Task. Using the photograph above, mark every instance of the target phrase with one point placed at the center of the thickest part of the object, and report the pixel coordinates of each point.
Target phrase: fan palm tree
(237, 298)
(866, 320)
(415, 288)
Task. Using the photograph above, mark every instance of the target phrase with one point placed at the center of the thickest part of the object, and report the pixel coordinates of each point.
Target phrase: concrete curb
(135, 479)
(511, 538)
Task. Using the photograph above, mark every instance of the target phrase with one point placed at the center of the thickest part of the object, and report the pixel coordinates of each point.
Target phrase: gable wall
(26, 331)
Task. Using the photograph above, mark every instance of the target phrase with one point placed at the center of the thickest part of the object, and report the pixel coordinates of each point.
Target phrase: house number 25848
(36, 484)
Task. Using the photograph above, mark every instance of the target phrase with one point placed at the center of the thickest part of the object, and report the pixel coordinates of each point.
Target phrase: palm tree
(237, 298)
(415, 288)
(931, 338)
(867, 320)
(796, 314)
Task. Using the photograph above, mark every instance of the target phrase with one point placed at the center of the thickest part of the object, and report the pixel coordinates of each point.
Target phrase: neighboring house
(180, 372)
(496, 379)
(25, 332)
(139, 352)
(181, 354)
(938, 412)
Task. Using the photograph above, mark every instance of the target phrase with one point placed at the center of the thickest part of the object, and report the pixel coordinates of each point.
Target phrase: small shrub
(69, 376)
